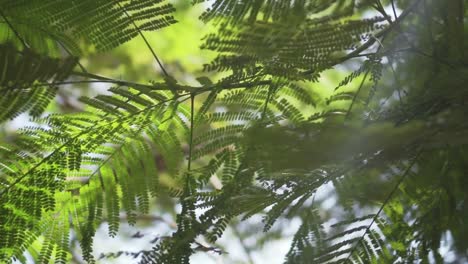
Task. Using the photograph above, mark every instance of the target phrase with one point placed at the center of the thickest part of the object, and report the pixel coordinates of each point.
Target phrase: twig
(192, 100)
(389, 196)
(194, 89)
(14, 30)
(397, 81)
(393, 8)
(381, 10)
(144, 39)
(348, 113)
(110, 80)
(71, 54)
(267, 100)
(246, 249)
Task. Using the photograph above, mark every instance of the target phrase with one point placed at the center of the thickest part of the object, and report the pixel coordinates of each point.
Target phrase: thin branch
(348, 113)
(267, 101)
(393, 8)
(71, 54)
(51, 35)
(11, 88)
(365, 76)
(383, 53)
(381, 10)
(389, 196)
(195, 89)
(246, 249)
(241, 85)
(182, 88)
(144, 39)
(437, 59)
(14, 30)
(192, 100)
(110, 80)
(397, 80)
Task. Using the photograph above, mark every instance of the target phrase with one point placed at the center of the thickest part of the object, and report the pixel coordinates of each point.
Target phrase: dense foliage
(259, 135)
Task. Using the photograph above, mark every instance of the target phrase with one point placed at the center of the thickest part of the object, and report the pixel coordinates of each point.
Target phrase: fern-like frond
(104, 24)
(90, 148)
(349, 242)
(278, 10)
(281, 51)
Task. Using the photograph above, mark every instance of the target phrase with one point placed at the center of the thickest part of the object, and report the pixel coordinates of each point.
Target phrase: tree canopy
(345, 116)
